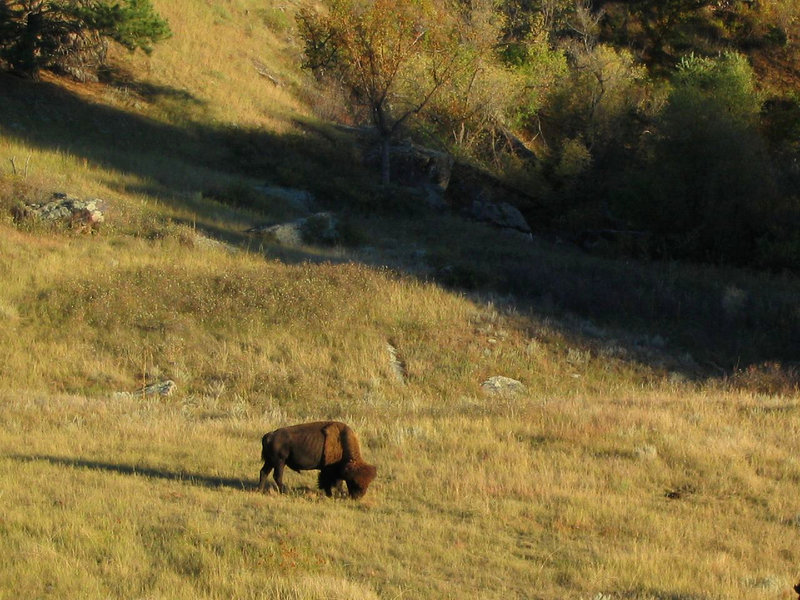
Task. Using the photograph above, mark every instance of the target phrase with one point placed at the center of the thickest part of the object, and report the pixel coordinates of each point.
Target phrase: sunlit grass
(648, 495)
(601, 478)
(611, 476)
(213, 55)
(604, 477)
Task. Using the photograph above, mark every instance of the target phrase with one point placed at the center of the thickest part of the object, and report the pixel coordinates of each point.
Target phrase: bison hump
(332, 448)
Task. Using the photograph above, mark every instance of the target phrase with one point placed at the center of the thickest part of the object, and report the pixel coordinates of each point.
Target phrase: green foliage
(132, 23)
(575, 159)
(712, 187)
(534, 78)
(602, 91)
(662, 32)
(36, 34)
(371, 49)
(531, 18)
(712, 86)
(680, 160)
(594, 118)
(320, 47)
(392, 59)
(275, 18)
(496, 89)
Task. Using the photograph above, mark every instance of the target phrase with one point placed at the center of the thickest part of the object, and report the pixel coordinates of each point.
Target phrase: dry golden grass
(602, 478)
(660, 494)
(217, 55)
(606, 479)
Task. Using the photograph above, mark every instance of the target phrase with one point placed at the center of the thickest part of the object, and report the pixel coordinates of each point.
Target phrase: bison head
(358, 476)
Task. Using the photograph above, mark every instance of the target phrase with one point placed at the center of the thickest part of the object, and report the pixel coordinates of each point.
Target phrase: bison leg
(354, 489)
(328, 478)
(262, 480)
(278, 476)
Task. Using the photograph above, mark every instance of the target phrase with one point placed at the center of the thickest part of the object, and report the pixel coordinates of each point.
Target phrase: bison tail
(265, 442)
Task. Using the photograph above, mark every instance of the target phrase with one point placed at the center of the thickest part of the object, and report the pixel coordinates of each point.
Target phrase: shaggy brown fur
(329, 446)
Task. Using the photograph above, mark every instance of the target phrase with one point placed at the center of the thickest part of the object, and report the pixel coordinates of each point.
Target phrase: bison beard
(329, 446)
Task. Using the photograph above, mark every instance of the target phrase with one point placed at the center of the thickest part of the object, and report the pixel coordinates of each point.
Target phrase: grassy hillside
(638, 463)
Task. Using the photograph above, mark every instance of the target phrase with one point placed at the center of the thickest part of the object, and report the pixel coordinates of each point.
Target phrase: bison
(329, 446)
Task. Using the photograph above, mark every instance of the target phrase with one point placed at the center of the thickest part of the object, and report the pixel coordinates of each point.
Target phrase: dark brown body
(330, 447)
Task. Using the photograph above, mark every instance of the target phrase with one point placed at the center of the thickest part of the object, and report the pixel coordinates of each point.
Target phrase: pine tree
(36, 34)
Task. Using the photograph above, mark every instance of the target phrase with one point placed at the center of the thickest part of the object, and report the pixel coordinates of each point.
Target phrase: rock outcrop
(499, 214)
(319, 228)
(414, 165)
(299, 200)
(499, 385)
(160, 388)
(62, 208)
(418, 167)
(479, 195)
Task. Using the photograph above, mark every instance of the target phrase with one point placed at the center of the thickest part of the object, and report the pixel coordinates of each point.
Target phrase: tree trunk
(25, 60)
(386, 143)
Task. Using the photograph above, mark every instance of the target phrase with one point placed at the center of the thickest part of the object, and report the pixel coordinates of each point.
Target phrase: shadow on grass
(124, 82)
(184, 152)
(728, 322)
(152, 473)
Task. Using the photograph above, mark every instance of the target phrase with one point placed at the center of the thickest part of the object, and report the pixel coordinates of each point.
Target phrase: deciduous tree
(391, 57)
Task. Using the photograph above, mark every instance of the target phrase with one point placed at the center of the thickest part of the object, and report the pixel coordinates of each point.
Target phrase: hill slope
(629, 467)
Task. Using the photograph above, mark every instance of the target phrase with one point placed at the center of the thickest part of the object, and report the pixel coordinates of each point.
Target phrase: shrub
(711, 191)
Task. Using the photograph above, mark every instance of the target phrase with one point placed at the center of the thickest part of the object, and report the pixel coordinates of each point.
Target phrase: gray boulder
(498, 385)
(319, 228)
(301, 201)
(396, 364)
(482, 196)
(87, 214)
(414, 165)
(500, 214)
(160, 388)
(418, 167)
